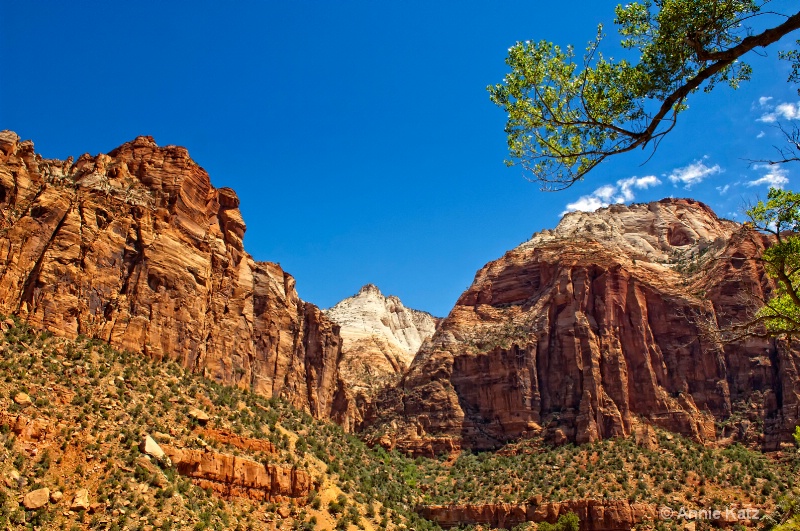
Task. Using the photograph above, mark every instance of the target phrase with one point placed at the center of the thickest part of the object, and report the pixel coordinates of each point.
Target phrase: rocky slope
(380, 337)
(138, 249)
(584, 331)
(92, 438)
(95, 438)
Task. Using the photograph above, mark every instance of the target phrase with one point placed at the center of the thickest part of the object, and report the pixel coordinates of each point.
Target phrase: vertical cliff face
(137, 248)
(584, 331)
(593, 515)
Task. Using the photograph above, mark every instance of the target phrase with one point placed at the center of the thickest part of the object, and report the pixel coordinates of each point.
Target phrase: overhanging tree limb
(762, 40)
(563, 122)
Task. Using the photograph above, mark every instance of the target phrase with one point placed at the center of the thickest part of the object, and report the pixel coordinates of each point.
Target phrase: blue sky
(359, 135)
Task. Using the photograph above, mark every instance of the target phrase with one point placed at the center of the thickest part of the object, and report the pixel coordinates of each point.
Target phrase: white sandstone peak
(647, 231)
(370, 312)
(380, 336)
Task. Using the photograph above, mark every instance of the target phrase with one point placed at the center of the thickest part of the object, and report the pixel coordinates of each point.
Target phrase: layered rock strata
(585, 330)
(137, 248)
(594, 515)
(380, 337)
(379, 334)
(232, 476)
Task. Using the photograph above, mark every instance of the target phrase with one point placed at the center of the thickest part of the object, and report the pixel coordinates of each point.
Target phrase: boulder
(150, 447)
(13, 479)
(23, 399)
(199, 415)
(36, 499)
(81, 501)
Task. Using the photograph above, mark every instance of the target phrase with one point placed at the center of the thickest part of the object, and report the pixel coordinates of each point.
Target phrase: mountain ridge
(589, 329)
(137, 248)
(591, 333)
(380, 338)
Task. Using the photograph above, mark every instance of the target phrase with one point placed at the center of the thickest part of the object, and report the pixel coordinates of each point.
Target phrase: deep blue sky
(359, 135)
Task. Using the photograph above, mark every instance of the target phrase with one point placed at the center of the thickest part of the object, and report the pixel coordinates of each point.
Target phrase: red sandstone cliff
(586, 330)
(230, 476)
(139, 249)
(594, 515)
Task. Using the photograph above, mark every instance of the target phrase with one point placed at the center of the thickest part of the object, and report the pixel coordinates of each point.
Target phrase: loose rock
(23, 399)
(81, 501)
(200, 416)
(36, 499)
(150, 447)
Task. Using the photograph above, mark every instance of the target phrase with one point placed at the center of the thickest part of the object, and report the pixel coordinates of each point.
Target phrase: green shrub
(566, 522)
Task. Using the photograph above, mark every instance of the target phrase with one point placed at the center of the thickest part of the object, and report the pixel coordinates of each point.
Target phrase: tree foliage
(786, 517)
(793, 56)
(565, 117)
(566, 522)
(779, 216)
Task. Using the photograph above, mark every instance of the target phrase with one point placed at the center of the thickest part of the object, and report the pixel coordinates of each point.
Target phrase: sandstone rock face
(379, 331)
(585, 330)
(137, 248)
(594, 515)
(380, 337)
(243, 443)
(233, 476)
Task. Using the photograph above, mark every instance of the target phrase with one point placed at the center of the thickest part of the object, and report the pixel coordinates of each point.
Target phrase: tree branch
(762, 40)
(723, 59)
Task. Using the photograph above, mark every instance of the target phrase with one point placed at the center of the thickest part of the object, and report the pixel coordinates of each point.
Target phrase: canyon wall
(579, 334)
(594, 515)
(137, 248)
(586, 330)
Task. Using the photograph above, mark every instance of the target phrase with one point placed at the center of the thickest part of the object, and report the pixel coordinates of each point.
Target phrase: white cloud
(646, 182)
(693, 174)
(607, 194)
(586, 203)
(785, 111)
(789, 111)
(763, 100)
(775, 177)
(760, 134)
(642, 183)
(723, 189)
